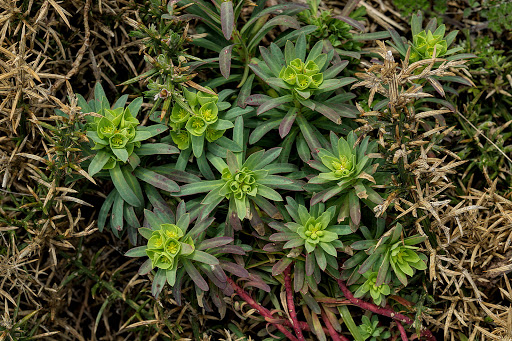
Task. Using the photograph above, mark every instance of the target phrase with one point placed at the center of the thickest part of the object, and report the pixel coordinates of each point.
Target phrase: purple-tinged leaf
(156, 180)
(233, 249)
(273, 103)
(282, 236)
(235, 269)
(352, 22)
(276, 225)
(145, 268)
(287, 122)
(267, 206)
(219, 283)
(310, 264)
(218, 272)
(272, 247)
(156, 148)
(195, 275)
(203, 257)
(256, 221)
(227, 19)
(257, 100)
(214, 242)
(225, 60)
(326, 110)
(281, 265)
(245, 91)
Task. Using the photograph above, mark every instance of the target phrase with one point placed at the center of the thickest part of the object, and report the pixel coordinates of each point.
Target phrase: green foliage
(313, 231)
(425, 40)
(334, 30)
(388, 256)
(301, 87)
(345, 174)
(175, 247)
(245, 182)
(371, 331)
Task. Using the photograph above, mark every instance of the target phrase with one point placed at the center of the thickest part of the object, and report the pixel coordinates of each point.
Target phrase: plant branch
(403, 334)
(291, 304)
(262, 310)
(381, 311)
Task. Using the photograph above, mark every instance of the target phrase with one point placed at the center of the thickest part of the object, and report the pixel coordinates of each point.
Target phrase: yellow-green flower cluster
(197, 120)
(166, 244)
(302, 76)
(114, 131)
(425, 42)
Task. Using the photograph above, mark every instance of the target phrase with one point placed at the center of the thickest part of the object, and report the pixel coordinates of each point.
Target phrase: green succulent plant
(117, 146)
(346, 172)
(377, 292)
(371, 331)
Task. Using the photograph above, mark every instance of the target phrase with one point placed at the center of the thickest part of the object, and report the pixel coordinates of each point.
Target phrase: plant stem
(291, 304)
(263, 311)
(381, 311)
(403, 334)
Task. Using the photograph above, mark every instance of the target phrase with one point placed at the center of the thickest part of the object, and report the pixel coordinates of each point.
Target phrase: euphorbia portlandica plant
(301, 87)
(175, 247)
(345, 175)
(386, 255)
(313, 233)
(425, 40)
(244, 182)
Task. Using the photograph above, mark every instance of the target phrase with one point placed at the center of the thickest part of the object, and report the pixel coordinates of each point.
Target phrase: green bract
(345, 175)
(302, 76)
(425, 42)
(197, 119)
(377, 292)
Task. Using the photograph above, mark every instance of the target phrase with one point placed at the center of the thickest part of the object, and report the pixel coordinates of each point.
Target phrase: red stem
(263, 311)
(381, 311)
(291, 304)
(334, 334)
(403, 334)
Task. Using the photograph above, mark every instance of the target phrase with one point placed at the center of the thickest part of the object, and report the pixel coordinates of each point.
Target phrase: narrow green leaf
(98, 162)
(123, 188)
